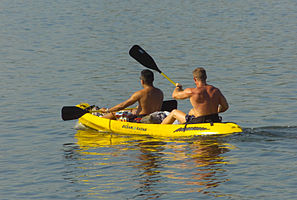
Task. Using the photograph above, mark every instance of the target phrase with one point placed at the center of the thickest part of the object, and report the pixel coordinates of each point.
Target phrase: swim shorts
(191, 119)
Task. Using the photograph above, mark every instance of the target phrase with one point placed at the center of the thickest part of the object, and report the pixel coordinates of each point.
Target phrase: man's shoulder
(212, 87)
(190, 89)
(214, 90)
(138, 93)
(158, 89)
(144, 91)
(141, 91)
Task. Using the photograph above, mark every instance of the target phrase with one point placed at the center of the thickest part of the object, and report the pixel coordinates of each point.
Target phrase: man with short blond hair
(207, 101)
(200, 73)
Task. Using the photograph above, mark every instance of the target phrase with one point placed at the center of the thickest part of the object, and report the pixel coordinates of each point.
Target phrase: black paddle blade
(143, 58)
(72, 112)
(169, 105)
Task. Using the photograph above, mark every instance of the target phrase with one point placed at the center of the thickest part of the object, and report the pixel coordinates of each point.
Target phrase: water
(61, 53)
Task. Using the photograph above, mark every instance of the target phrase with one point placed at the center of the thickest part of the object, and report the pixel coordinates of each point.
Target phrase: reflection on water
(150, 163)
(108, 164)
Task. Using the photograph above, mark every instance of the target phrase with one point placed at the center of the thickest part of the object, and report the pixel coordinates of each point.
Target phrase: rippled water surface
(57, 53)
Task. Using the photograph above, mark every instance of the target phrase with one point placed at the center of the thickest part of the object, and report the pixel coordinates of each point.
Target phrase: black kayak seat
(169, 105)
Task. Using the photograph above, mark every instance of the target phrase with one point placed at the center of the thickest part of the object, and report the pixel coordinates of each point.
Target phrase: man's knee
(173, 112)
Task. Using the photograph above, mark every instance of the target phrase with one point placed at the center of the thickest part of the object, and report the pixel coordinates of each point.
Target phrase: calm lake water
(58, 53)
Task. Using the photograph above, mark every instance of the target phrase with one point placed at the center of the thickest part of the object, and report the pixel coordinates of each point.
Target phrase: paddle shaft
(171, 81)
(94, 111)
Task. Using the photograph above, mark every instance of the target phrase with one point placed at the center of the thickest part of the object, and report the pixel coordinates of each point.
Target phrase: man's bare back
(206, 100)
(150, 100)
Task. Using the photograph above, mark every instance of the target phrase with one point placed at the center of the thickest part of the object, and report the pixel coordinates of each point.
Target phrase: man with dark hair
(207, 101)
(147, 76)
(149, 99)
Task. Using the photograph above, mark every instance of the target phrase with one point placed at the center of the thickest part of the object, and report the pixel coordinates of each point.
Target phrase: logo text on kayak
(133, 128)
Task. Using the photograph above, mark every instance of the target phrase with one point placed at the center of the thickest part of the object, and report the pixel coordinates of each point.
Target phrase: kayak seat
(169, 105)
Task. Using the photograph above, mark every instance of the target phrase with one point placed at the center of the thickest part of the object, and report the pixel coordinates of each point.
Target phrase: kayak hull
(164, 130)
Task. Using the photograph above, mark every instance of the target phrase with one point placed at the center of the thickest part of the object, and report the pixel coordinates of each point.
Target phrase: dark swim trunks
(135, 118)
(191, 119)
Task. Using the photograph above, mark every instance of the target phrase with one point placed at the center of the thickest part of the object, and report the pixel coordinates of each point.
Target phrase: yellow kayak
(163, 130)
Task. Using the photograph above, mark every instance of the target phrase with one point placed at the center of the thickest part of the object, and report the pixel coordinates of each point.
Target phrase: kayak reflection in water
(207, 101)
(149, 99)
(191, 165)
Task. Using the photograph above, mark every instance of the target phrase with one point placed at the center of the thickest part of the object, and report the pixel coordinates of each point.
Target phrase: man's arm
(223, 106)
(179, 93)
(133, 99)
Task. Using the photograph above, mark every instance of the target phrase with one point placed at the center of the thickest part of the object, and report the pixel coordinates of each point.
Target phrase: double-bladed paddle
(146, 60)
(74, 112)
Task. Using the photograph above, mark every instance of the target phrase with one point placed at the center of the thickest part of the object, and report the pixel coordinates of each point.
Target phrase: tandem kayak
(164, 130)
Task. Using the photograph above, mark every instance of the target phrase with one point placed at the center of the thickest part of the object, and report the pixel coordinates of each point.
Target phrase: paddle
(73, 112)
(146, 60)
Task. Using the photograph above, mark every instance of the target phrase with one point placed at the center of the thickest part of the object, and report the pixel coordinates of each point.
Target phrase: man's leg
(175, 114)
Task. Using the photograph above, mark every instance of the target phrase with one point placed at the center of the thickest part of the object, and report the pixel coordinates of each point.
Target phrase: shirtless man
(149, 99)
(207, 101)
